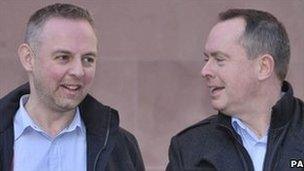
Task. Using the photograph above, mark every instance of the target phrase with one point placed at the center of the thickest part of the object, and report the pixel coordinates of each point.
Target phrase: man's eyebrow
(62, 51)
(94, 54)
(216, 54)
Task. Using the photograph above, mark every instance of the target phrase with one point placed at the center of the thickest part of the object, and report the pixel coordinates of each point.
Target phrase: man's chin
(225, 111)
(220, 108)
(217, 106)
(67, 104)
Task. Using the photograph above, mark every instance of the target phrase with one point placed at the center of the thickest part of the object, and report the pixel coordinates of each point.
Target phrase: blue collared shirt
(35, 150)
(256, 147)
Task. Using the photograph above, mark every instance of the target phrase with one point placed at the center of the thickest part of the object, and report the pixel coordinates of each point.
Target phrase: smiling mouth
(71, 87)
(215, 90)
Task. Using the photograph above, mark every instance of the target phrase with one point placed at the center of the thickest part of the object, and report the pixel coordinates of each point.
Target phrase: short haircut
(264, 34)
(39, 18)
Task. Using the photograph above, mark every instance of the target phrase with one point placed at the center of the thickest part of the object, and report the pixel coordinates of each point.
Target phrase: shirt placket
(54, 156)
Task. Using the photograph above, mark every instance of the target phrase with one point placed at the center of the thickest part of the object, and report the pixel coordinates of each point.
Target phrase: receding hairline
(42, 26)
(264, 34)
(241, 30)
(67, 11)
(35, 38)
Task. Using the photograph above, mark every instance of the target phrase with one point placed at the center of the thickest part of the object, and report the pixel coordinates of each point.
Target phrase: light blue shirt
(35, 150)
(256, 147)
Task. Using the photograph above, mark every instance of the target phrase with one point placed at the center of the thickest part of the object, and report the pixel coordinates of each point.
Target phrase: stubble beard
(54, 99)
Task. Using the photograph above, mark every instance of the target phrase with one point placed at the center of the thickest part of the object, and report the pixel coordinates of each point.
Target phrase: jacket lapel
(97, 120)
(8, 107)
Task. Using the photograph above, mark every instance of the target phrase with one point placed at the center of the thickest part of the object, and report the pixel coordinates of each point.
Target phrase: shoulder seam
(206, 121)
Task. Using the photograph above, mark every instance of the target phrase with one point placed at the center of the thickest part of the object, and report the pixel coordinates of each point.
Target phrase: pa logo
(296, 163)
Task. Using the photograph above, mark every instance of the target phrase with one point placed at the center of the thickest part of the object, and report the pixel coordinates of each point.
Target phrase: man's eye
(62, 57)
(219, 59)
(89, 59)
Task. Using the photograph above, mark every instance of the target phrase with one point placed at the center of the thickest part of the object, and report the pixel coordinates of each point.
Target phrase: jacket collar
(283, 110)
(94, 114)
(281, 114)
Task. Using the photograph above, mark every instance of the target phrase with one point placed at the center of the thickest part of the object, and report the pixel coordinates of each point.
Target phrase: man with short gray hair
(51, 123)
(260, 123)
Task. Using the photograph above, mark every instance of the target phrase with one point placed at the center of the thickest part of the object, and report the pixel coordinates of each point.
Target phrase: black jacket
(109, 147)
(212, 144)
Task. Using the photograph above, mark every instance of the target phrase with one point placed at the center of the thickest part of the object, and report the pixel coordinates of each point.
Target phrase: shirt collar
(76, 123)
(241, 128)
(23, 121)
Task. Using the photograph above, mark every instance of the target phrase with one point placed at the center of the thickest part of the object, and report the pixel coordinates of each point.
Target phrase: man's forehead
(233, 27)
(68, 34)
(59, 22)
(63, 28)
(225, 32)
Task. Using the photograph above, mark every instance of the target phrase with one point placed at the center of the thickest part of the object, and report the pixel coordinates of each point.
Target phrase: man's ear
(266, 66)
(26, 56)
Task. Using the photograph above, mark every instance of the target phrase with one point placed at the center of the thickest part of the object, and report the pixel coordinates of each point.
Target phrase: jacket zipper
(98, 156)
(239, 146)
(270, 155)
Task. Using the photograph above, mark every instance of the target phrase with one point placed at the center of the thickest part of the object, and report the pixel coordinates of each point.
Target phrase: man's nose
(77, 68)
(206, 71)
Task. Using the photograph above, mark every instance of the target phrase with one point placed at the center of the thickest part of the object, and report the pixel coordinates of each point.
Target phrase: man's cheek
(89, 78)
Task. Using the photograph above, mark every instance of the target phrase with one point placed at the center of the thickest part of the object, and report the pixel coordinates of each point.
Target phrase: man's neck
(258, 116)
(50, 120)
(259, 124)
